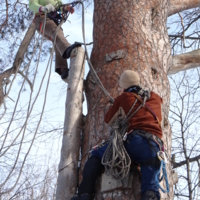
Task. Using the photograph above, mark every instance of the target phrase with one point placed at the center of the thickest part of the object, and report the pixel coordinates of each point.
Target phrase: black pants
(91, 171)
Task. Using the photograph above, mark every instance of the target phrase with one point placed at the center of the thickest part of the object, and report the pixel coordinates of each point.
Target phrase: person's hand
(48, 7)
(69, 9)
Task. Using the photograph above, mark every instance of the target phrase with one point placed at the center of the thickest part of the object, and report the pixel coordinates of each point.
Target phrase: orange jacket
(143, 119)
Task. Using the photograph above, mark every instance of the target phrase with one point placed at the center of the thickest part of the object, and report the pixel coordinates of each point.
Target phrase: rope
(98, 81)
(116, 159)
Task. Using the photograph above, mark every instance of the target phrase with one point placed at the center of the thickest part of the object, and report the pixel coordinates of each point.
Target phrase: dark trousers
(138, 150)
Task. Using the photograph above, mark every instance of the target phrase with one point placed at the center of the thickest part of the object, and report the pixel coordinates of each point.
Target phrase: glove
(48, 7)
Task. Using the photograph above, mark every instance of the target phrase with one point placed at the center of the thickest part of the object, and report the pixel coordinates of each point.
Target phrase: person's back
(142, 119)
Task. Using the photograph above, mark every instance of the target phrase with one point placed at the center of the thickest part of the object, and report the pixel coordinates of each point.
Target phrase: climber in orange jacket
(143, 139)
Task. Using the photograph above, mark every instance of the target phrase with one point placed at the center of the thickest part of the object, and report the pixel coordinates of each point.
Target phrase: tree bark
(139, 29)
(18, 59)
(185, 61)
(68, 167)
(180, 5)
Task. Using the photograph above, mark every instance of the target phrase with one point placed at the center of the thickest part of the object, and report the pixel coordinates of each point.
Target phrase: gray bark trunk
(68, 167)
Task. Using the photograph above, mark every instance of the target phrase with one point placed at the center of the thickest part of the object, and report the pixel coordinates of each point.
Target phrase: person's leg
(139, 150)
(63, 46)
(61, 66)
(91, 171)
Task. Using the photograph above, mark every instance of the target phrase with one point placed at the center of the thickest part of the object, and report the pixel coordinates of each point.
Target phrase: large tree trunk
(139, 29)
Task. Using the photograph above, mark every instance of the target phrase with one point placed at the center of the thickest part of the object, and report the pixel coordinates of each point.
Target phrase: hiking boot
(68, 51)
(82, 197)
(149, 195)
(64, 74)
(75, 197)
(86, 197)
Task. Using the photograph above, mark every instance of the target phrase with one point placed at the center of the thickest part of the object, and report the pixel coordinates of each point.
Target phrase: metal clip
(125, 136)
(162, 156)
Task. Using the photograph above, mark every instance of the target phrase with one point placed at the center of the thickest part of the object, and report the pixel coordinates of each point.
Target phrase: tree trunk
(138, 28)
(68, 167)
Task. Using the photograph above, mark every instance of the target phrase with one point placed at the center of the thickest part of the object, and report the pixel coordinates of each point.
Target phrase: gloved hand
(48, 7)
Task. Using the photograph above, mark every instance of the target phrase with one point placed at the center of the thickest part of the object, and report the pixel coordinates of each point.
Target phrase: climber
(142, 143)
(62, 47)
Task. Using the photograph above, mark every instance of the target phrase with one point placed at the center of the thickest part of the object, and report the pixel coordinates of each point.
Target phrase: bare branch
(185, 61)
(175, 165)
(178, 6)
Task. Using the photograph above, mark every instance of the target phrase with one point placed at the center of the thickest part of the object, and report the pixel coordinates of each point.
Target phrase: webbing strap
(162, 168)
(150, 110)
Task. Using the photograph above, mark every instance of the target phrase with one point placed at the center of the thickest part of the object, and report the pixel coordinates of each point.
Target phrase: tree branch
(186, 37)
(180, 5)
(176, 165)
(185, 61)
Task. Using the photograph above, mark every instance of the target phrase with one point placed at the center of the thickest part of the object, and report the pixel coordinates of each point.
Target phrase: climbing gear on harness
(103, 143)
(115, 159)
(57, 16)
(149, 195)
(163, 160)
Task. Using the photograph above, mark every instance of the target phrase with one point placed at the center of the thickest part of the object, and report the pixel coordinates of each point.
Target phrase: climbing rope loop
(116, 159)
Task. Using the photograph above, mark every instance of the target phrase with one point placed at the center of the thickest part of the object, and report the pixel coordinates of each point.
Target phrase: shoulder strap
(148, 107)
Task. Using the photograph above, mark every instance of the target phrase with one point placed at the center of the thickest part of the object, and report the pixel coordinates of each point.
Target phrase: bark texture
(185, 61)
(180, 5)
(139, 29)
(18, 60)
(68, 167)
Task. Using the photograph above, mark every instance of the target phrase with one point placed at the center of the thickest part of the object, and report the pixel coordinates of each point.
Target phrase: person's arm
(69, 9)
(34, 5)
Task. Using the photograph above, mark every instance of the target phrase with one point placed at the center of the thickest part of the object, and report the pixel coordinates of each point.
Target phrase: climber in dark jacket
(139, 148)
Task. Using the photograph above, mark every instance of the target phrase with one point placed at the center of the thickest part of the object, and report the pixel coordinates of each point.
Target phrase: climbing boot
(75, 197)
(68, 51)
(86, 197)
(149, 195)
(64, 74)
